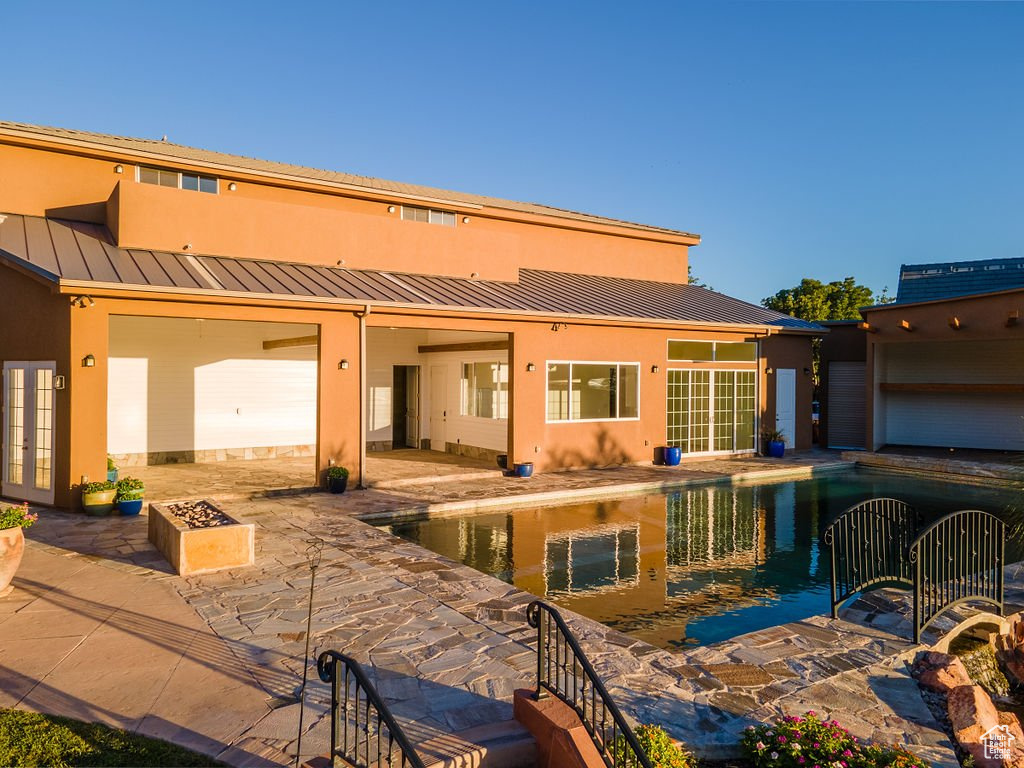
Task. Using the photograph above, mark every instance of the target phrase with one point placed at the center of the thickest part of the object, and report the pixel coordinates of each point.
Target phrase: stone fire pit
(198, 537)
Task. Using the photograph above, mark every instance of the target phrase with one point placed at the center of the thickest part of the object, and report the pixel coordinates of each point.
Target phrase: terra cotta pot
(12, 547)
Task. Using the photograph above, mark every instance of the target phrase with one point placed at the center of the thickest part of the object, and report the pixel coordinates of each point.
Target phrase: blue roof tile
(930, 282)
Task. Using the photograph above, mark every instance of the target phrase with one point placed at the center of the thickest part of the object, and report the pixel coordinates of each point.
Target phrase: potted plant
(130, 491)
(111, 470)
(98, 498)
(523, 468)
(337, 479)
(774, 443)
(502, 460)
(12, 542)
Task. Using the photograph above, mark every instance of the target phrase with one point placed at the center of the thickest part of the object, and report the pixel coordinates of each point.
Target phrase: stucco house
(160, 303)
(942, 366)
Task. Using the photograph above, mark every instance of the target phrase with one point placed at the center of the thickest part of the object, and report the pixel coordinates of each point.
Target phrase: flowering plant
(810, 742)
(17, 517)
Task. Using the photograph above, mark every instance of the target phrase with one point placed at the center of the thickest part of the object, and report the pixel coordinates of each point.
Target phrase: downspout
(362, 394)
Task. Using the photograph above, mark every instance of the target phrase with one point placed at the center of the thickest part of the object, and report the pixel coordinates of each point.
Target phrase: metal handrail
(868, 545)
(345, 673)
(957, 559)
(608, 729)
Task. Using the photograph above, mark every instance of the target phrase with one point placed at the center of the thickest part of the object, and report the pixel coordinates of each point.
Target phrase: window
(713, 351)
(593, 391)
(485, 390)
(582, 562)
(711, 411)
(177, 179)
(428, 216)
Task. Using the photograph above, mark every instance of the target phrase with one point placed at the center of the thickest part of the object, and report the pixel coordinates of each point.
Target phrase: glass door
(28, 431)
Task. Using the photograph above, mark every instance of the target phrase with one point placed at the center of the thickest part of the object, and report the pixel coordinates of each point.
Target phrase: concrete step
(495, 745)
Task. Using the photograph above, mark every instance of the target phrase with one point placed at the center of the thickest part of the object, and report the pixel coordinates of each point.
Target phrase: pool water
(696, 565)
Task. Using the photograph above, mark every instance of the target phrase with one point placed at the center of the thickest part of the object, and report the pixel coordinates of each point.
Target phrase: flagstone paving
(448, 645)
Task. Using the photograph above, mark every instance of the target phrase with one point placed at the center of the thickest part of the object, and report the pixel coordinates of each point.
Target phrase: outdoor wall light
(391, 209)
(531, 367)
(465, 219)
(343, 365)
(769, 371)
(232, 187)
(655, 369)
(118, 168)
(558, 326)
(82, 302)
(88, 361)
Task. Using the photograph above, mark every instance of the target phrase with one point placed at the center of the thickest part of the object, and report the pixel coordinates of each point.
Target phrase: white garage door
(957, 417)
(845, 405)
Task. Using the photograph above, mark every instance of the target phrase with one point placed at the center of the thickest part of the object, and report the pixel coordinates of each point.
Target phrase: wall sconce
(118, 168)
(769, 371)
(343, 365)
(82, 302)
(391, 209)
(655, 369)
(88, 361)
(531, 367)
(557, 326)
(465, 219)
(232, 187)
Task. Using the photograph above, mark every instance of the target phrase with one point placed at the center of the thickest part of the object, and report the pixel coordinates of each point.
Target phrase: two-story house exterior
(160, 303)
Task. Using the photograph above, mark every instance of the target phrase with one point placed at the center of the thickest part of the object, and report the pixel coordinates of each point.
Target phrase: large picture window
(587, 391)
(485, 390)
(711, 411)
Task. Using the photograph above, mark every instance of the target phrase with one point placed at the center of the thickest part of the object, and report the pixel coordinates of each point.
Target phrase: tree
(692, 279)
(816, 301)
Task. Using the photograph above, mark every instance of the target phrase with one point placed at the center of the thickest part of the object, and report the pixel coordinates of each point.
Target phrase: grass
(31, 739)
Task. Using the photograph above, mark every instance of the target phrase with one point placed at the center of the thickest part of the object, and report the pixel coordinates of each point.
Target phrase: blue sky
(805, 139)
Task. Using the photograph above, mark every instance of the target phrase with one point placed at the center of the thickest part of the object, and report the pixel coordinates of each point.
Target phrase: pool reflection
(694, 566)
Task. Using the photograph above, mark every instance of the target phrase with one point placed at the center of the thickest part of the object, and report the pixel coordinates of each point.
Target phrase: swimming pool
(697, 565)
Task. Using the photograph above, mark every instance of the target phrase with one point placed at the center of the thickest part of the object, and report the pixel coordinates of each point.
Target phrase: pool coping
(564, 496)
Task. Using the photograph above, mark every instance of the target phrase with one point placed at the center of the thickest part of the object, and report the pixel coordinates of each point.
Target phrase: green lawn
(29, 739)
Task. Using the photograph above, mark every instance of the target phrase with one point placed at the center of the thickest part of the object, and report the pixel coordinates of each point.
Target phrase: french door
(28, 431)
(711, 411)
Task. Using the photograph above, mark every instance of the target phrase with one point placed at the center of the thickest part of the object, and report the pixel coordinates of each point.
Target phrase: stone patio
(448, 645)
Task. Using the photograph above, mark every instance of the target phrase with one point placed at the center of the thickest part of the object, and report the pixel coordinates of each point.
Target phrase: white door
(785, 403)
(438, 406)
(28, 431)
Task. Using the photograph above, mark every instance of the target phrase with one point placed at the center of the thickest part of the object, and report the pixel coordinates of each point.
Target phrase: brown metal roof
(69, 252)
(170, 154)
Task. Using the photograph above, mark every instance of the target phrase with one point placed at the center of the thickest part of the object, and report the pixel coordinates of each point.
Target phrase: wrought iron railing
(957, 558)
(564, 671)
(363, 732)
(869, 546)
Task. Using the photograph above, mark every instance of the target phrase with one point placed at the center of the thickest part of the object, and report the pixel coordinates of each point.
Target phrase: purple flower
(782, 739)
(801, 760)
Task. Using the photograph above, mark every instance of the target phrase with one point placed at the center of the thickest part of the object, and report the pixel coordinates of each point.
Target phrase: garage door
(845, 405)
(954, 394)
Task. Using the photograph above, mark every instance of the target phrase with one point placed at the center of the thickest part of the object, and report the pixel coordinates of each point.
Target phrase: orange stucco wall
(270, 221)
(789, 352)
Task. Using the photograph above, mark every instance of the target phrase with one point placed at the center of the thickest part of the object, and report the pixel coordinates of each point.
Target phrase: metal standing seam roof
(931, 282)
(65, 251)
(179, 153)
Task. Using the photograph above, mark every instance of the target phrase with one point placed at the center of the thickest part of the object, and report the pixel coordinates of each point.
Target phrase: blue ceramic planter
(502, 460)
(673, 455)
(776, 449)
(524, 469)
(129, 507)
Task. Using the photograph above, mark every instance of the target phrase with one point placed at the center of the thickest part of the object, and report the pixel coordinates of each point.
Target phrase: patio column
(87, 399)
(339, 413)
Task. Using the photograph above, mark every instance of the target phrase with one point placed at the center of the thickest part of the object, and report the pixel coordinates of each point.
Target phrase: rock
(944, 675)
(972, 714)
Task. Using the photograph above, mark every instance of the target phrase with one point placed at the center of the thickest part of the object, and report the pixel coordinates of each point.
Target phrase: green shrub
(660, 749)
(810, 742)
(336, 473)
(99, 486)
(130, 488)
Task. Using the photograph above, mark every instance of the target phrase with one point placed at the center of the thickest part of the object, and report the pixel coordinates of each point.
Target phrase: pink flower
(801, 760)
(782, 739)
(810, 713)
(847, 753)
(817, 744)
(759, 746)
